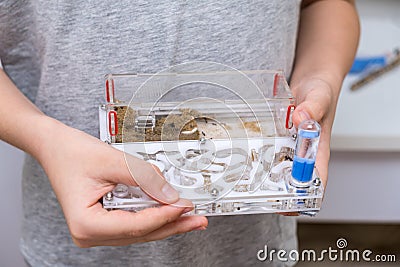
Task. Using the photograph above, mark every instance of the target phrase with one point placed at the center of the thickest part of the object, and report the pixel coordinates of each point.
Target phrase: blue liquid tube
(305, 153)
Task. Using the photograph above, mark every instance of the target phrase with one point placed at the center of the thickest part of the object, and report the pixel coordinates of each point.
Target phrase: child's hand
(82, 169)
(316, 100)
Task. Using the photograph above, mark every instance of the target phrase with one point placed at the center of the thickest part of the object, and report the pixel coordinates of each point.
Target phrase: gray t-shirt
(57, 53)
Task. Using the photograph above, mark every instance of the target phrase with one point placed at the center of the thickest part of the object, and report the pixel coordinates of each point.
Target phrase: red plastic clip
(112, 117)
(289, 122)
(276, 80)
(110, 93)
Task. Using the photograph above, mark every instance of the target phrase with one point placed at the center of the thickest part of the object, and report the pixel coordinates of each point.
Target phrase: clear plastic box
(223, 138)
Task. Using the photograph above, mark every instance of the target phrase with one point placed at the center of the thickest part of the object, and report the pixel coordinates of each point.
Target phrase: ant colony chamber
(222, 138)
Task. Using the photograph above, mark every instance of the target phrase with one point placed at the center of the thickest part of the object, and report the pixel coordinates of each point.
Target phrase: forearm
(328, 39)
(22, 124)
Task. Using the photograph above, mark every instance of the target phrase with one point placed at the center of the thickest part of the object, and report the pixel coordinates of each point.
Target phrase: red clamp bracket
(289, 121)
(275, 88)
(112, 123)
(110, 90)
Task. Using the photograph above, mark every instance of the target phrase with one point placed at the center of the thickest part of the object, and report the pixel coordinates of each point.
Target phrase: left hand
(315, 99)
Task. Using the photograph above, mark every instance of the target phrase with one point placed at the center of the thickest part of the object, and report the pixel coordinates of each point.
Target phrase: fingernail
(201, 228)
(187, 209)
(304, 116)
(169, 192)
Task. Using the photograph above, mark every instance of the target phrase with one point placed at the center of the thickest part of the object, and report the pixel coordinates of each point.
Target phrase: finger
(323, 154)
(314, 98)
(180, 226)
(122, 224)
(122, 168)
(151, 180)
(114, 169)
(309, 109)
(312, 109)
(314, 102)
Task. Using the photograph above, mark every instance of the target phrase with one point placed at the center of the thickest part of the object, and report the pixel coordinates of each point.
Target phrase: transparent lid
(196, 100)
(194, 80)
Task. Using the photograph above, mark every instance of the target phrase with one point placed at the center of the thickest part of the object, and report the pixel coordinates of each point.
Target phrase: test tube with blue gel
(305, 153)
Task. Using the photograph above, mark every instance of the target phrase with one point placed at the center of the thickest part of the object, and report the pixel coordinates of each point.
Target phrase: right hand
(82, 169)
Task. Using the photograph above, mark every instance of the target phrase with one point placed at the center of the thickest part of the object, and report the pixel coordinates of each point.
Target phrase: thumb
(314, 100)
(314, 107)
(137, 172)
(308, 109)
